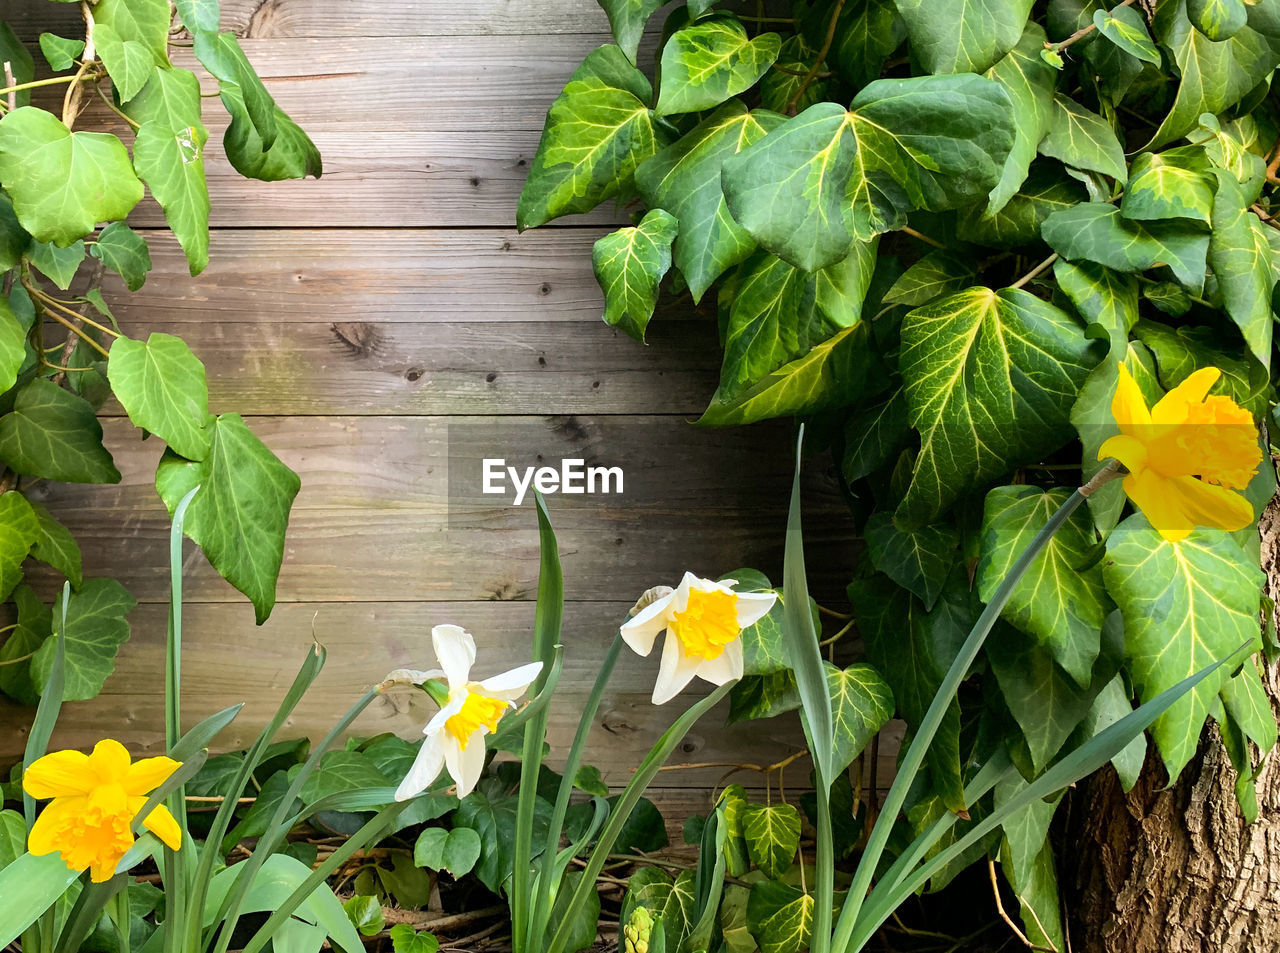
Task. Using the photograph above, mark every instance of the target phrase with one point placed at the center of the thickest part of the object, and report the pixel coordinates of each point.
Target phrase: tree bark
(1177, 870)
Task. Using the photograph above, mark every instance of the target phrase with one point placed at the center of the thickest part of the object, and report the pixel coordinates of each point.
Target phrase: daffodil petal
(1130, 451)
(675, 671)
(1209, 505)
(511, 685)
(144, 776)
(110, 761)
(1151, 493)
(726, 667)
(456, 650)
(754, 606)
(1172, 407)
(59, 774)
(465, 764)
(641, 630)
(436, 724)
(425, 769)
(43, 838)
(1128, 406)
(159, 822)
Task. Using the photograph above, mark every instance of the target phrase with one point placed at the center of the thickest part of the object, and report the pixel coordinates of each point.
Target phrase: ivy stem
(18, 87)
(77, 331)
(921, 236)
(112, 106)
(1036, 271)
(49, 302)
(809, 77)
(1081, 33)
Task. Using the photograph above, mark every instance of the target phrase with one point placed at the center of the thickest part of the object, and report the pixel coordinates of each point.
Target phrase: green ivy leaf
(684, 179)
(919, 559)
(405, 939)
(866, 34)
(59, 265)
(1084, 140)
(629, 265)
(1181, 351)
(874, 434)
(15, 53)
(63, 183)
(1186, 605)
(1218, 19)
(670, 902)
(52, 433)
(454, 850)
(128, 62)
(961, 360)
(33, 627)
(1047, 189)
(240, 515)
(55, 546)
(19, 530)
(339, 772)
(161, 385)
(1244, 264)
(199, 16)
(1027, 860)
(95, 630)
(1030, 82)
(125, 252)
(773, 836)
(963, 36)
(1125, 27)
(597, 131)
(627, 19)
(222, 55)
(861, 704)
(14, 239)
(1096, 231)
(292, 154)
(132, 37)
(1061, 601)
(59, 52)
(1176, 183)
(710, 61)
(763, 696)
(830, 176)
(1214, 75)
(785, 80)
(938, 273)
(1110, 705)
(13, 346)
(780, 917)
(365, 914)
(1168, 297)
(168, 153)
(494, 820)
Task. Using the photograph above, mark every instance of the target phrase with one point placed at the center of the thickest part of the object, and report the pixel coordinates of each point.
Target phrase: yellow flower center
(478, 710)
(97, 836)
(708, 623)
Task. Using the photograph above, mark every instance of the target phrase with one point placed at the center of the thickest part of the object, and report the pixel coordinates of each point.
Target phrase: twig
(995, 889)
(834, 614)
(10, 81)
(908, 230)
(838, 636)
(1081, 33)
(13, 88)
(790, 109)
(1036, 271)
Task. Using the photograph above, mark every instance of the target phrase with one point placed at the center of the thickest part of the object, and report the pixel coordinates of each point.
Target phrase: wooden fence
(353, 320)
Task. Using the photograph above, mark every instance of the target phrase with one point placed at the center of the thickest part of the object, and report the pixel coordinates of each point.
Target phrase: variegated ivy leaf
(627, 19)
(1125, 27)
(1030, 82)
(963, 36)
(684, 179)
(965, 361)
(1082, 139)
(1060, 602)
(1186, 605)
(938, 273)
(780, 917)
(1243, 261)
(710, 61)
(1218, 19)
(1047, 189)
(629, 266)
(830, 176)
(597, 132)
(919, 559)
(1176, 183)
(1181, 351)
(772, 833)
(861, 704)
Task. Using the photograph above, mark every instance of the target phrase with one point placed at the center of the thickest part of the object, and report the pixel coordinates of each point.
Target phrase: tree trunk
(1178, 870)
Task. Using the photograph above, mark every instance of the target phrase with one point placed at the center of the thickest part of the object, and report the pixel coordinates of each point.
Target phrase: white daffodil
(704, 622)
(455, 735)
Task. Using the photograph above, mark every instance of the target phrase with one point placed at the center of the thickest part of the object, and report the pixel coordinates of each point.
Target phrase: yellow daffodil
(704, 622)
(471, 710)
(1187, 457)
(95, 799)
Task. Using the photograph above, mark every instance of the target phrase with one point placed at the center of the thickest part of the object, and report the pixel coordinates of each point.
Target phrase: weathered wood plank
(376, 521)
(262, 276)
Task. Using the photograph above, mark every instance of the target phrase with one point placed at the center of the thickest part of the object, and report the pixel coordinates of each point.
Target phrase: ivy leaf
(96, 628)
(13, 346)
(14, 239)
(199, 16)
(1243, 262)
(1027, 860)
(494, 820)
(963, 361)
(1096, 231)
(54, 434)
(861, 704)
(963, 36)
(292, 154)
(1030, 82)
(23, 67)
(1110, 705)
(938, 273)
(1186, 605)
(454, 850)
(780, 917)
(1084, 140)
(222, 55)
(128, 62)
(33, 627)
(341, 771)
(1214, 75)
(785, 80)
(627, 19)
(706, 63)
(597, 131)
(830, 176)
(1061, 601)
(866, 34)
(773, 835)
(919, 560)
(763, 696)
(124, 251)
(60, 52)
(1125, 27)
(629, 265)
(63, 183)
(240, 515)
(1175, 183)
(144, 22)
(1181, 351)
(1047, 189)
(1218, 19)
(162, 388)
(55, 546)
(168, 153)
(59, 265)
(684, 179)
(19, 530)
(874, 434)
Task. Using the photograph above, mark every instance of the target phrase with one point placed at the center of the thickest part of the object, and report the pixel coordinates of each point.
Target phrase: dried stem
(1035, 272)
(995, 890)
(1081, 33)
(790, 109)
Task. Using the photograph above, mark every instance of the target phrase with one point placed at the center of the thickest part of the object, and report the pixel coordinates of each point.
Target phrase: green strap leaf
(710, 61)
(95, 630)
(125, 252)
(52, 433)
(19, 530)
(1084, 140)
(63, 183)
(1125, 27)
(629, 265)
(961, 361)
(161, 385)
(240, 515)
(963, 36)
